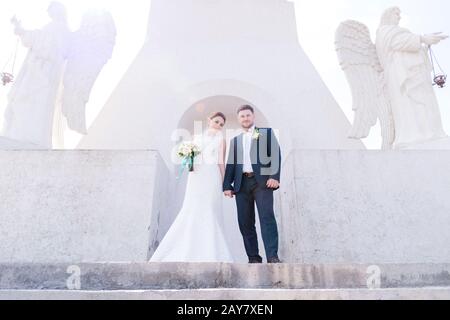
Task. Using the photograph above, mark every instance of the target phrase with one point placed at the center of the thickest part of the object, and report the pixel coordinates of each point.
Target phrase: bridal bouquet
(188, 151)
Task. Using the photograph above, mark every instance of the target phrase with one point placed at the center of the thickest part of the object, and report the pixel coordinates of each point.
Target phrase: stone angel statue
(359, 60)
(390, 81)
(57, 76)
(90, 48)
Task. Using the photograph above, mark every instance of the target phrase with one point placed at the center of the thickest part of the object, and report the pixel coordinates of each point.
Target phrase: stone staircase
(175, 281)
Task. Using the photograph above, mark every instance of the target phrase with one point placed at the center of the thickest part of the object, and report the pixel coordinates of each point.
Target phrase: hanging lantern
(440, 80)
(7, 78)
(439, 76)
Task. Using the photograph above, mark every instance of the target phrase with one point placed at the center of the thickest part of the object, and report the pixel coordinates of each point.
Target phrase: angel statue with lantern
(391, 81)
(57, 76)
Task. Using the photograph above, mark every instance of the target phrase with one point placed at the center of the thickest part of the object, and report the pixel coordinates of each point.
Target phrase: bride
(197, 235)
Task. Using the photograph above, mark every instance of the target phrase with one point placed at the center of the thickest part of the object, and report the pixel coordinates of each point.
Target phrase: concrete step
(181, 276)
(234, 294)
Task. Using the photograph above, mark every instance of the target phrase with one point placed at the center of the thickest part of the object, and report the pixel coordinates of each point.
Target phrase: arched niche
(195, 118)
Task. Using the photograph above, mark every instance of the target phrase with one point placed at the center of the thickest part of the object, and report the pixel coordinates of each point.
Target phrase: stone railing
(334, 207)
(65, 206)
(365, 207)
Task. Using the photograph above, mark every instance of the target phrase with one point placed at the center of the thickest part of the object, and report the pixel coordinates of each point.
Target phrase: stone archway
(226, 104)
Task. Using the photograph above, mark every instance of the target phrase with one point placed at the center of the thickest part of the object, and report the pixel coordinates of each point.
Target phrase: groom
(252, 175)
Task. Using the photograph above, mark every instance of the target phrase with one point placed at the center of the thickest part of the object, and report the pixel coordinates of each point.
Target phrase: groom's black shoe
(255, 260)
(274, 260)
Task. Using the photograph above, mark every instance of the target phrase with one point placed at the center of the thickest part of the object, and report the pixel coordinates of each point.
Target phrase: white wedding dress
(197, 235)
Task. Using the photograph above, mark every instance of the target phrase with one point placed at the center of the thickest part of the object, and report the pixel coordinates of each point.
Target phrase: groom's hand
(273, 184)
(229, 194)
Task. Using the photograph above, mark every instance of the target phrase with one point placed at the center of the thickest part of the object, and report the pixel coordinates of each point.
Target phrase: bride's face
(217, 123)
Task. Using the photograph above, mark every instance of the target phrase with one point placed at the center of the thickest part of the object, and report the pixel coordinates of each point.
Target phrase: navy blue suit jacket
(266, 160)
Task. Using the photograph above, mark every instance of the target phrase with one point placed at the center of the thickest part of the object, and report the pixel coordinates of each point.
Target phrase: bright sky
(317, 22)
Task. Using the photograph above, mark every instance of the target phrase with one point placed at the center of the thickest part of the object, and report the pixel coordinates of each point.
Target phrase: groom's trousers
(246, 198)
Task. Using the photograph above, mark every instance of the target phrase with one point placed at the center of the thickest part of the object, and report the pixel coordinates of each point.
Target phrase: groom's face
(246, 118)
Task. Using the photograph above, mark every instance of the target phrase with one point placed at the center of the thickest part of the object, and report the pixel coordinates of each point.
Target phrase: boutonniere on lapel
(256, 134)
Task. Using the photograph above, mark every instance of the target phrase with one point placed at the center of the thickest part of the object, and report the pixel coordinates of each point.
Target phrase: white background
(317, 21)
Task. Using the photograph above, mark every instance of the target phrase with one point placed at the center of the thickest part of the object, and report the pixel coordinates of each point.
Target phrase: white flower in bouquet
(188, 151)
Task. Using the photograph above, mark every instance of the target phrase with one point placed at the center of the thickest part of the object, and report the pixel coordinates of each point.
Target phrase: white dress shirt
(247, 140)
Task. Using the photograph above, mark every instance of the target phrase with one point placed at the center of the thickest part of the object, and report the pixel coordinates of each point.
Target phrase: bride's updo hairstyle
(217, 115)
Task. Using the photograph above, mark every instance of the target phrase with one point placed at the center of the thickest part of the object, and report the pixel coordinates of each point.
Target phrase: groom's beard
(248, 127)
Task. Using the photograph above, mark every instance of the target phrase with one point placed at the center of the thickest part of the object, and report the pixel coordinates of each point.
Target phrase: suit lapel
(240, 149)
(254, 149)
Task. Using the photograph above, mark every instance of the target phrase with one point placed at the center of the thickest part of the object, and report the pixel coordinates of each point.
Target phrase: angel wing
(90, 49)
(358, 58)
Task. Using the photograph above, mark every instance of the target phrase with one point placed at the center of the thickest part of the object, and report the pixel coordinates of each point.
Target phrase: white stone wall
(246, 50)
(334, 206)
(366, 207)
(65, 206)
